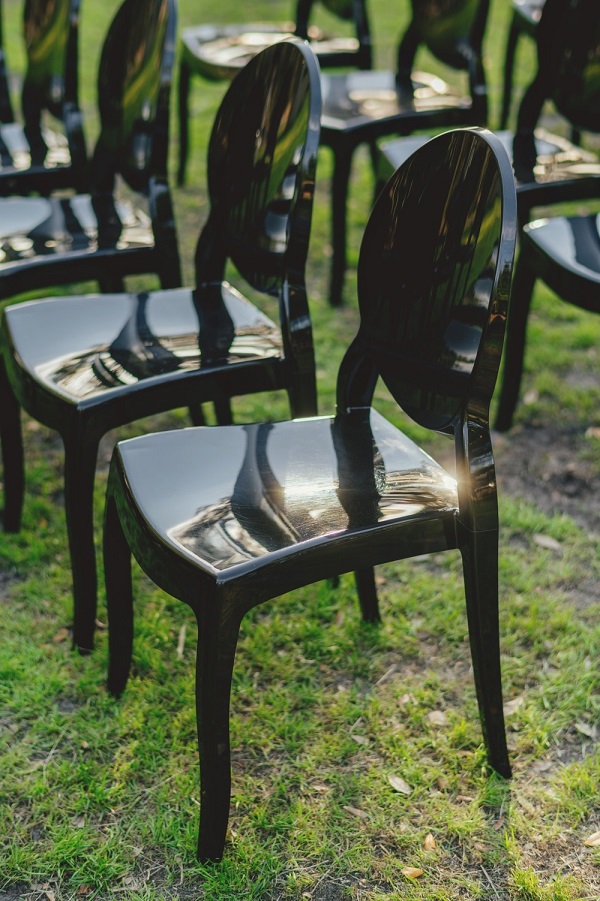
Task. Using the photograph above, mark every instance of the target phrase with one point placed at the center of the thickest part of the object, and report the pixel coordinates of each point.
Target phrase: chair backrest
(453, 31)
(261, 168)
(6, 110)
(50, 30)
(351, 11)
(433, 283)
(568, 47)
(134, 81)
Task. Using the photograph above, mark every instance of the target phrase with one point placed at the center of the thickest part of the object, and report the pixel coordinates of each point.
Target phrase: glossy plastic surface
(220, 51)
(35, 157)
(226, 518)
(568, 74)
(46, 241)
(548, 168)
(86, 364)
(563, 252)
(363, 106)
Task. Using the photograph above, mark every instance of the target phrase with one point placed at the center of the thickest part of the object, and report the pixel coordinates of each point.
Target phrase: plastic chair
(225, 518)
(87, 364)
(104, 235)
(525, 19)
(218, 52)
(548, 168)
(33, 156)
(360, 107)
(564, 253)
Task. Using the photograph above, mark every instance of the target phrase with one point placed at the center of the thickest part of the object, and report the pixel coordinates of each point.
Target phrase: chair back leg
(11, 441)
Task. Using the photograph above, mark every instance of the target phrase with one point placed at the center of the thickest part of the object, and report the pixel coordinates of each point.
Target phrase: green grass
(99, 799)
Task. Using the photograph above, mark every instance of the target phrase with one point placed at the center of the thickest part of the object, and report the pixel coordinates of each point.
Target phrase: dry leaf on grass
(593, 841)
(399, 785)
(587, 729)
(412, 872)
(360, 739)
(356, 812)
(546, 541)
(513, 706)
(429, 843)
(437, 718)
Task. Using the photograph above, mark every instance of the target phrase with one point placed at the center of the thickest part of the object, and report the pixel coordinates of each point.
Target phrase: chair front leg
(11, 441)
(480, 568)
(80, 468)
(183, 114)
(217, 640)
(339, 197)
(514, 344)
(119, 598)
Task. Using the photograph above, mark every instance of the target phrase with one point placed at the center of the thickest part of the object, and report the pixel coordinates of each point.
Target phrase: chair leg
(480, 568)
(119, 599)
(339, 196)
(183, 113)
(514, 344)
(223, 413)
(80, 468)
(217, 639)
(367, 594)
(509, 63)
(11, 441)
(109, 283)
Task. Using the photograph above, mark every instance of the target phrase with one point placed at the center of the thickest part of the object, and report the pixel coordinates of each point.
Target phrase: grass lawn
(99, 799)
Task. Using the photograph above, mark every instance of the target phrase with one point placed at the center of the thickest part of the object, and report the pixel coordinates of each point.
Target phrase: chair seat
(15, 152)
(567, 249)
(557, 158)
(358, 98)
(243, 495)
(85, 348)
(33, 227)
(219, 51)
(528, 13)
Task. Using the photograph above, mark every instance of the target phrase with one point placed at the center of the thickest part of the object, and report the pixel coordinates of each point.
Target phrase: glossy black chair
(564, 253)
(548, 168)
(360, 107)
(38, 156)
(525, 19)
(218, 52)
(225, 518)
(125, 225)
(87, 364)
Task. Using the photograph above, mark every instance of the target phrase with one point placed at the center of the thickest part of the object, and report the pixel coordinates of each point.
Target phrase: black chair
(525, 19)
(6, 109)
(103, 235)
(87, 364)
(35, 157)
(564, 253)
(360, 107)
(218, 52)
(548, 168)
(225, 518)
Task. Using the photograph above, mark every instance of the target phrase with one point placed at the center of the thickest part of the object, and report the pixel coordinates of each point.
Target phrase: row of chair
(226, 518)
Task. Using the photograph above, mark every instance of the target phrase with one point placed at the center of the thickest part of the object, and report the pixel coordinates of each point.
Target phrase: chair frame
(220, 598)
